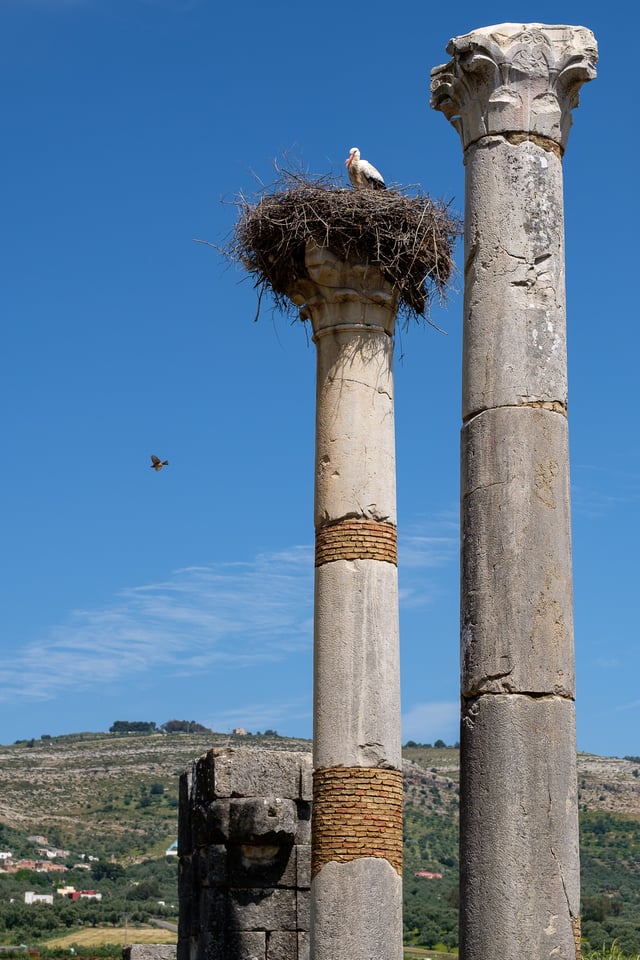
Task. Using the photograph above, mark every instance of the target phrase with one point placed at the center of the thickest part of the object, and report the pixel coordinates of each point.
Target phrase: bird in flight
(362, 173)
(157, 463)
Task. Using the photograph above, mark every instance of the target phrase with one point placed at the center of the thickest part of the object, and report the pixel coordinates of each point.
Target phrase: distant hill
(101, 788)
(115, 797)
(609, 803)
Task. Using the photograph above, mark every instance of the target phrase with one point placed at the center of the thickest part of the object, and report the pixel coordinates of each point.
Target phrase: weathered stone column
(509, 91)
(356, 891)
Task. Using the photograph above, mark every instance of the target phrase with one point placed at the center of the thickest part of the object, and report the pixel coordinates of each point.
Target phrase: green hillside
(110, 802)
(609, 800)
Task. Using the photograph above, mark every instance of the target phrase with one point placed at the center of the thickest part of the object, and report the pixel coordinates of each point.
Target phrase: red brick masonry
(356, 540)
(356, 812)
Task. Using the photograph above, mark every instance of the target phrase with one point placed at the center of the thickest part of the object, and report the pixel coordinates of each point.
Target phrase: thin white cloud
(608, 663)
(597, 491)
(632, 705)
(428, 722)
(431, 545)
(421, 551)
(230, 614)
(261, 716)
(429, 541)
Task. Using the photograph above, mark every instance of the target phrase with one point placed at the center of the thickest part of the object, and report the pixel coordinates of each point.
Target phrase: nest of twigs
(410, 239)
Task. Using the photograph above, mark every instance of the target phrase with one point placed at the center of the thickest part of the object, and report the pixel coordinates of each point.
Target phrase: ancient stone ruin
(245, 856)
(349, 260)
(149, 951)
(246, 880)
(509, 91)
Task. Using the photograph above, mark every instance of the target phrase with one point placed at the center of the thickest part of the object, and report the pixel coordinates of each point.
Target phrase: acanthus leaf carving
(514, 78)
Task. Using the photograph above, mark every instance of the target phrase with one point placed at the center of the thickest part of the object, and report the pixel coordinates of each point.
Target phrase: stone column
(356, 891)
(509, 91)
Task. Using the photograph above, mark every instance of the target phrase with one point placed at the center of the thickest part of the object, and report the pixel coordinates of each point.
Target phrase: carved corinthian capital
(336, 292)
(514, 78)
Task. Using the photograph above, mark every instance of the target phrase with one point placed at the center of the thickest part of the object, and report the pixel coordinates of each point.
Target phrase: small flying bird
(362, 173)
(157, 463)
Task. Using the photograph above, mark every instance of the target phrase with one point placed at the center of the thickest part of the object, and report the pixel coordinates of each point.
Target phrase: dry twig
(409, 238)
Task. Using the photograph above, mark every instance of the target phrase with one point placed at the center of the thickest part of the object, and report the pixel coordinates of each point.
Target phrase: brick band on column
(576, 923)
(356, 540)
(356, 812)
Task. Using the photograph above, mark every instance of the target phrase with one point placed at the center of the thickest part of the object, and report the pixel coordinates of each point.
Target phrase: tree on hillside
(132, 726)
(145, 890)
(184, 726)
(107, 871)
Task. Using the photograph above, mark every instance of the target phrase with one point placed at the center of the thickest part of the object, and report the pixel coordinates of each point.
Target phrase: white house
(52, 854)
(31, 897)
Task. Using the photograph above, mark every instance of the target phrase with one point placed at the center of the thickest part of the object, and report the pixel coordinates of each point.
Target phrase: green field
(99, 936)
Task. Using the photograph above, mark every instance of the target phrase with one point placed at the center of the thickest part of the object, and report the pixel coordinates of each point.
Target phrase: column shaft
(509, 91)
(356, 891)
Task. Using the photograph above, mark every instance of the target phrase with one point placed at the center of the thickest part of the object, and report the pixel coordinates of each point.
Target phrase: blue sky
(129, 127)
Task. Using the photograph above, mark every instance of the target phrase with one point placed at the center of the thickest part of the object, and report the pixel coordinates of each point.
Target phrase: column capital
(519, 79)
(339, 296)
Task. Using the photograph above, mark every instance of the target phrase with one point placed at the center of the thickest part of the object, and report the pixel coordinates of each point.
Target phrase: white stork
(362, 173)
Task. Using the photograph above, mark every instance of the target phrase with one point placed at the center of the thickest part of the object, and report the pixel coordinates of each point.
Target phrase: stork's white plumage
(362, 173)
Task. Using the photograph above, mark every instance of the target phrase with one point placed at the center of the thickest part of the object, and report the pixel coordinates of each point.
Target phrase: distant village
(44, 862)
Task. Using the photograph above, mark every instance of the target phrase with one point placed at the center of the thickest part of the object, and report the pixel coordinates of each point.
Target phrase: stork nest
(410, 239)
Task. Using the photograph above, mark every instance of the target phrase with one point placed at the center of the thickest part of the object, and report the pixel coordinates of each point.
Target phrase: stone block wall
(149, 951)
(244, 848)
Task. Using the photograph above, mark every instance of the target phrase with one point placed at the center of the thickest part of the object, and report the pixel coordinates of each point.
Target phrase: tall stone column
(356, 890)
(509, 91)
